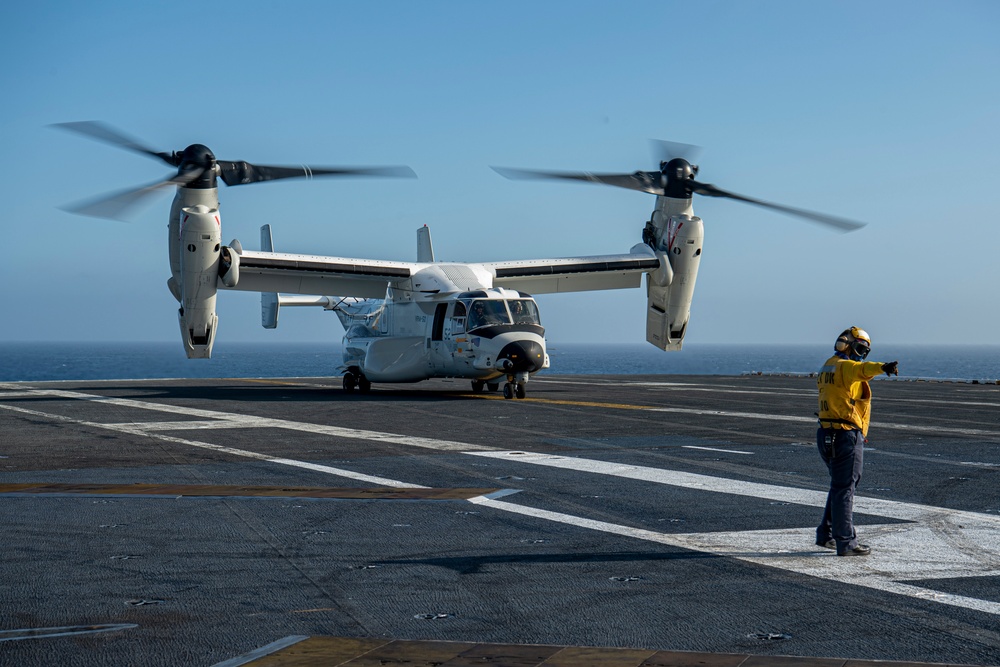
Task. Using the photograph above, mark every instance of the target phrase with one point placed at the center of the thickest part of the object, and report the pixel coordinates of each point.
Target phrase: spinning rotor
(198, 168)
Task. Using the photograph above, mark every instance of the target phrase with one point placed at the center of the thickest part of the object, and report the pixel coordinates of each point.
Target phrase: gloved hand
(890, 368)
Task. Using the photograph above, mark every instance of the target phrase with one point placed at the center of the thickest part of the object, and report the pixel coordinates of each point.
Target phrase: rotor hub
(676, 176)
(201, 158)
(198, 155)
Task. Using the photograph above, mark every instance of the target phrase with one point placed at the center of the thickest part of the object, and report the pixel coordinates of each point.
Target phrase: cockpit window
(487, 312)
(524, 311)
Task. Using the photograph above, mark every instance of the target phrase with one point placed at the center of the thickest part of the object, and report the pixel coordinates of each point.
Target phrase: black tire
(477, 386)
(519, 390)
(364, 385)
(508, 391)
(350, 382)
(492, 386)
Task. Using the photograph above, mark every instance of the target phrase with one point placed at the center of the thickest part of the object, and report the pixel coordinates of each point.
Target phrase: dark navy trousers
(843, 453)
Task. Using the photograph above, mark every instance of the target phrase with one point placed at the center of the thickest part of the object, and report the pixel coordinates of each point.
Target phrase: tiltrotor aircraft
(410, 321)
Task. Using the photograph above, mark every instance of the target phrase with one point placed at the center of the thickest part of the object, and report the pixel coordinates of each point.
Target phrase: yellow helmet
(854, 341)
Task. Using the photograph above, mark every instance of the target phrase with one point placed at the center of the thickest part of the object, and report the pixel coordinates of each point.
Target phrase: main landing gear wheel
(493, 386)
(354, 380)
(477, 386)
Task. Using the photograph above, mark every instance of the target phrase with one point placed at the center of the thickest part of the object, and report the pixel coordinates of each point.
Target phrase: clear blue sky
(886, 112)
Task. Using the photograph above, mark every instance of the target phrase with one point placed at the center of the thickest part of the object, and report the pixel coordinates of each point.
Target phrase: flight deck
(601, 520)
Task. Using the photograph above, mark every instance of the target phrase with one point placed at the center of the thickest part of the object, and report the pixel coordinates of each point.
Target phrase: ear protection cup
(847, 340)
(843, 341)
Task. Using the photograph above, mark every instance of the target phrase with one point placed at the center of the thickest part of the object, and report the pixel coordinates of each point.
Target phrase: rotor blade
(843, 224)
(241, 173)
(107, 134)
(643, 181)
(115, 206)
(665, 151)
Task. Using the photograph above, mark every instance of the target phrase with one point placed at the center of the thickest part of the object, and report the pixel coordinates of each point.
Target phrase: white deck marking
(63, 631)
(138, 430)
(880, 571)
(781, 391)
(715, 449)
(923, 429)
(234, 420)
(890, 508)
(940, 543)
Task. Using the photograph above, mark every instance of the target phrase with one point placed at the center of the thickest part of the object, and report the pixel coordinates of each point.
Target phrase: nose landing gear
(514, 388)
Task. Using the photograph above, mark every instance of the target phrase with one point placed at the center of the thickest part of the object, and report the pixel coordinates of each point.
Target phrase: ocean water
(109, 361)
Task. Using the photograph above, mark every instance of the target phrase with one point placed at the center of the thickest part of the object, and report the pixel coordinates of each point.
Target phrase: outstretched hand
(890, 368)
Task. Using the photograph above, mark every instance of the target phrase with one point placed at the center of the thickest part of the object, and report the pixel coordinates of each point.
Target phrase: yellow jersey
(844, 393)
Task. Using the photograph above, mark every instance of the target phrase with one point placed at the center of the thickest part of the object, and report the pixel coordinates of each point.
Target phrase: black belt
(822, 420)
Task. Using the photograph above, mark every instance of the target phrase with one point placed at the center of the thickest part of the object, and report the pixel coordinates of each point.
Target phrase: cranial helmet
(854, 342)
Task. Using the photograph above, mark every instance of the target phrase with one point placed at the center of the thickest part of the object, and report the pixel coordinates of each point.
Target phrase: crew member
(844, 404)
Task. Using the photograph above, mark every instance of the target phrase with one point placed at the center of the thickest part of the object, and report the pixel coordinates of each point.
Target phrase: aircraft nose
(521, 356)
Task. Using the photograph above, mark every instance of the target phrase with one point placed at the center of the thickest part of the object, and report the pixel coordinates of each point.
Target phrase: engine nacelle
(229, 266)
(199, 246)
(669, 293)
(185, 198)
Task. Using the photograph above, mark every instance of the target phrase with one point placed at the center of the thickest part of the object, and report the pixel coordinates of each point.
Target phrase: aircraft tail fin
(425, 250)
(269, 302)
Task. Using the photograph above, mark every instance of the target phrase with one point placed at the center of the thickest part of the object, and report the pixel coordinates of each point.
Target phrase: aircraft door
(438, 347)
(437, 328)
(456, 324)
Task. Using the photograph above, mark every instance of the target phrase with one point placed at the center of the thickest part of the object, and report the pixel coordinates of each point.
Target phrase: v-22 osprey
(411, 321)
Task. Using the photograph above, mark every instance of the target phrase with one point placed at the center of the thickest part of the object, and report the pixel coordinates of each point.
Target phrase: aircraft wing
(314, 274)
(575, 274)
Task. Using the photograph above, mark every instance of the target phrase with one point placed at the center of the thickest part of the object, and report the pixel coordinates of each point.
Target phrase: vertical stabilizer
(269, 303)
(425, 250)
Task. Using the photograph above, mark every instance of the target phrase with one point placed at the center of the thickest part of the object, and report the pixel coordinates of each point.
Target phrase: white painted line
(939, 543)
(900, 552)
(715, 449)
(63, 631)
(262, 652)
(17, 394)
(137, 430)
(249, 421)
(889, 508)
(733, 389)
(921, 428)
(179, 425)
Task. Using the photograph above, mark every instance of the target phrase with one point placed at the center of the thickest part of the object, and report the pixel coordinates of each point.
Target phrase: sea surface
(113, 361)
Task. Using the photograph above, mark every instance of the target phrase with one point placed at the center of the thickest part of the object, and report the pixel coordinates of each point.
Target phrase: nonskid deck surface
(603, 519)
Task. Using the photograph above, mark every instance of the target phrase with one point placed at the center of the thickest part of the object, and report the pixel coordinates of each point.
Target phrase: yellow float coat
(845, 396)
